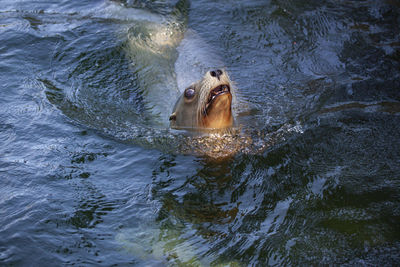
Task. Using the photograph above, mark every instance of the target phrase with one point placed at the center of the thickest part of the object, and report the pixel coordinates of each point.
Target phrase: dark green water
(89, 178)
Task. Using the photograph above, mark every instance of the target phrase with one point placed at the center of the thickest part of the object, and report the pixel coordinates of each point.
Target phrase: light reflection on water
(90, 176)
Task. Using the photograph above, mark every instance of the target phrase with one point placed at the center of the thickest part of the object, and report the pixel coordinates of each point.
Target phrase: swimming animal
(172, 62)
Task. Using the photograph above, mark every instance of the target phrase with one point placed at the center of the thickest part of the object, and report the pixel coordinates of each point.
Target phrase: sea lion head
(205, 104)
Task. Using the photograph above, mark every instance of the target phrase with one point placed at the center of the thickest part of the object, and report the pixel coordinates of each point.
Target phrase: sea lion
(166, 57)
(205, 104)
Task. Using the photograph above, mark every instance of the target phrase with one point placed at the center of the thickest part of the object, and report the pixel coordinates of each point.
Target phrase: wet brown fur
(194, 113)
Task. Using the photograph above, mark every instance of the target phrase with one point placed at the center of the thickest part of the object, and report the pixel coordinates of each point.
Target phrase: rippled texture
(90, 176)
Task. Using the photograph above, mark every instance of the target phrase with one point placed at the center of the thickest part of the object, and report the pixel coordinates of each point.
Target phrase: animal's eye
(189, 93)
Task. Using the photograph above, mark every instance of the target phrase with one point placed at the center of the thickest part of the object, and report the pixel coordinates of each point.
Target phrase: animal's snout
(216, 73)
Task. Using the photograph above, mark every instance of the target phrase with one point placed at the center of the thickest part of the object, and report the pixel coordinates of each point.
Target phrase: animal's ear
(172, 117)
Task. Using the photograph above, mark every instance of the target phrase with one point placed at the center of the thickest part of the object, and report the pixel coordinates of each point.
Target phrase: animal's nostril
(216, 73)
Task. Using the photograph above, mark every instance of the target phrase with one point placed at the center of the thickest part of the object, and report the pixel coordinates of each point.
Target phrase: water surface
(91, 175)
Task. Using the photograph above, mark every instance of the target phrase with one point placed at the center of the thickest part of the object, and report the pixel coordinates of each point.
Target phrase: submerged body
(167, 57)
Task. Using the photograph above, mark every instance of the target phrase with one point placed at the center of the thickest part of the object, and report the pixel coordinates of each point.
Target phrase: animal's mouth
(217, 91)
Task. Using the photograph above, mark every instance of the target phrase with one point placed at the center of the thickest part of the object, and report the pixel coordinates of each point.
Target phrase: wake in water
(127, 81)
